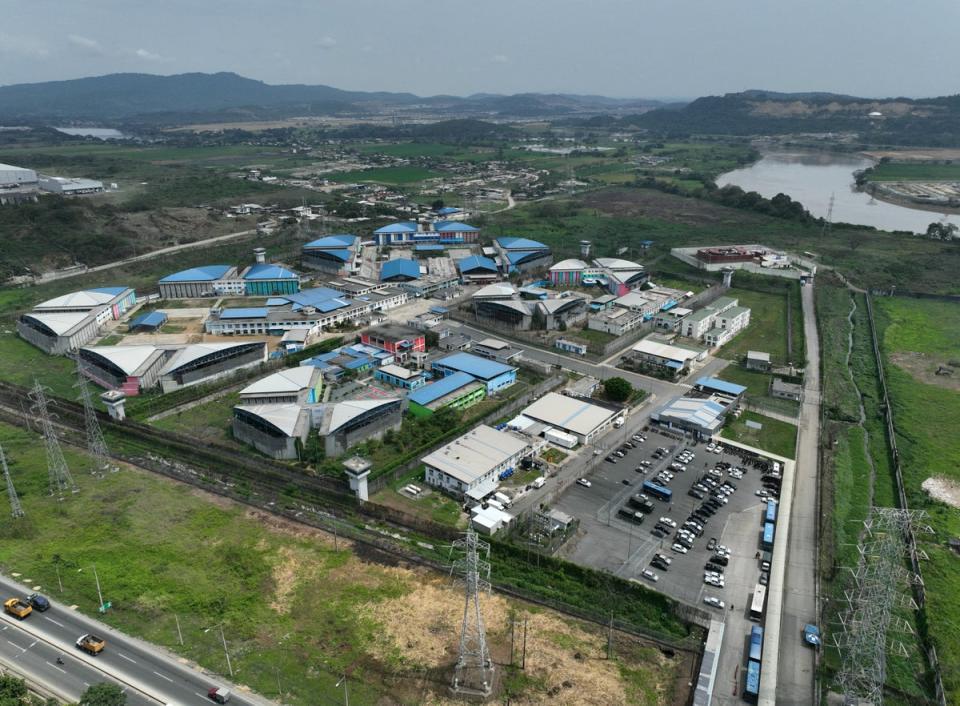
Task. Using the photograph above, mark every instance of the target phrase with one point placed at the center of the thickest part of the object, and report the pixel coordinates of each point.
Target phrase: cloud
(19, 45)
(500, 59)
(149, 55)
(326, 42)
(89, 46)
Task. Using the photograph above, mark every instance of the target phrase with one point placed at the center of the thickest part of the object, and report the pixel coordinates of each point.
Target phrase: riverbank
(905, 202)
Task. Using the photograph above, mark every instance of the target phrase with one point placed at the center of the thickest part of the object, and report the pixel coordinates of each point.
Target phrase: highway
(147, 675)
(796, 671)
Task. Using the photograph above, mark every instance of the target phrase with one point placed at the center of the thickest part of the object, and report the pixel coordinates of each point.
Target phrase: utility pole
(225, 652)
(523, 661)
(16, 509)
(179, 634)
(60, 478)
(346, 695)
(610, 639)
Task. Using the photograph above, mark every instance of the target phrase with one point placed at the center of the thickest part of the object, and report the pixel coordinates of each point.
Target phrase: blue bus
(751, 683)
(658, 491)
(771, 513)
(767, 542)
(756, 643)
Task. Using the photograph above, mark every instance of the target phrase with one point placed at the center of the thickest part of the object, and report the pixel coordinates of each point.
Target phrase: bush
(617, 389)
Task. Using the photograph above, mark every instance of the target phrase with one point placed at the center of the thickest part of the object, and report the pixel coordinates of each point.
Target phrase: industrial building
(567, 346)
(495, 349)
(203, 281)
(12, 177)
(786, 390)
(702, 417)
(521, 254)
(458, 391)
(400, 269)
(69, 186)
(202, 362)
(663, 355)
(399, 340)
(617, 276)
(495, 375)
(342, 425)
(439, 233)
(398, 376)
(301, 385)
(65, 323)
(758, 360)
(716, 323)
(470, 466)
(500, 305)
(338, 254)
(275, 430)
(731, 392)
(586, 420)
(147, 323)
(130, 369)
(478, 269)
(265, 280)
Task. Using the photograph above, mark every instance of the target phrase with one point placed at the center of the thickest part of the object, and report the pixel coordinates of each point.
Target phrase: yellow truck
(91, 644)
(17, 608)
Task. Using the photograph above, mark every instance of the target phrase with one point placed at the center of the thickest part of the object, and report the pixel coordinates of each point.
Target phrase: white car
(679, 548)
(584, 482)
(710, 447)
(668, 522)
(713, 601)
(736, 474)
(647, 574)
(722, 550)
(597, 452)
(761, 493)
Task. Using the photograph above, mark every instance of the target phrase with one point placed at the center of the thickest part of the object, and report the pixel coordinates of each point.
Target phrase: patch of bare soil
(923, 368)
(649, 203)
(565, 660)
(943, 489)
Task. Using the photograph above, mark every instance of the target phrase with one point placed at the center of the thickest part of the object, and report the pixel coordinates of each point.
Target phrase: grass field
(294, 608)
(896, 171)
(767, 330)
(774, 436)
(206, 421)
(386, 175)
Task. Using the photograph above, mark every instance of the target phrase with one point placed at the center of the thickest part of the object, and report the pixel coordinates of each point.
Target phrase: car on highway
(18, 608)
(91, 644)
(584, 482)
(811, 635)
(647, 574)
(713, 601)
(679, 548)
(668, 522)
(38, 602)
(218, 694)
(712, 544)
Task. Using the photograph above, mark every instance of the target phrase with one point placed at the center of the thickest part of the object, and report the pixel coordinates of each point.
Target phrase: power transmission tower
(828, 221)
(473, 674)
(871, 629)
(16, 509)
(60, 478)
(96, 445)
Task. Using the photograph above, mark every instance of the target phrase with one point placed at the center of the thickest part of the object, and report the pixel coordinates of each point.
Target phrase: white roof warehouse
(573, 415)
(474, 461)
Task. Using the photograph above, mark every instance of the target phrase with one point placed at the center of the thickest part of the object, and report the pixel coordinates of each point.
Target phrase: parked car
(764, 578)
(584, 482)
(811, 635)
(712, 544)
(714, 602)
(695, 494)
(679, 548)
(667, 521)
(647, 574)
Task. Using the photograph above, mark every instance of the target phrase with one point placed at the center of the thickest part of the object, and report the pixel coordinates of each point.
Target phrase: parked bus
(759, 602)
(756, 643)
(767, 542)
(771, 514)
(658, 491)
(751, 682)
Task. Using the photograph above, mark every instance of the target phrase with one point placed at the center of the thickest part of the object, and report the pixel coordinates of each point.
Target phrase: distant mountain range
(226, 96)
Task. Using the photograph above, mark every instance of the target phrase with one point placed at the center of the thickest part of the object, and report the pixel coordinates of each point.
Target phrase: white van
(539, 482)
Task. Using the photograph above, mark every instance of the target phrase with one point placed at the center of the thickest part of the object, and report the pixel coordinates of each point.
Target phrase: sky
(621, 48)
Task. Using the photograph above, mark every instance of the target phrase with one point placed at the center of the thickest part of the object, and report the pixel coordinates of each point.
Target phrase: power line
(473, 674)
(60, 478)
(16, 509)
(96, 444)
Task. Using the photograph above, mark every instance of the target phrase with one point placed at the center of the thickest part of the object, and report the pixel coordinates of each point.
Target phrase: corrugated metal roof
(127, 358)
(444, 386)
(154, 319)
(515, 256)
(195, 351)
(347, 411)
(205, 273)
(402, 227)
(284, 417)
(513, 243)
(428, 247)
(454, 227)
(112, 291)
(338, 240)
(244, 313)
(289, 380)
(476, 262)
(263, 271)
(401, 267)
(474, 365)
(721, 386)
(88, 298)
(571, 264)
(59, 323)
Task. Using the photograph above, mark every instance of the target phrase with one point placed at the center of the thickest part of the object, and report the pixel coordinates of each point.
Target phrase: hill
(219, 96)
(904, 121)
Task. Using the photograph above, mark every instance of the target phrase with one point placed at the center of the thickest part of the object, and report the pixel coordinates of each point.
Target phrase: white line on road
(33, 643)
(126, 658)
(16, 645)
(57, 668)
(55, 622)
(164, 676)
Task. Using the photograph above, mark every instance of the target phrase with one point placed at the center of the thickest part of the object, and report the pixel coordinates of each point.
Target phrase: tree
(437, 205)
(617, 389)
(103, 694)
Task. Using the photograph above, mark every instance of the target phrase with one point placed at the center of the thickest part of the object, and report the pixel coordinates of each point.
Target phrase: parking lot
(606, 540)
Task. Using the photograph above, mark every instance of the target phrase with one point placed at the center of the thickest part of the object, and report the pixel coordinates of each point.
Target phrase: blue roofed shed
(264, 279)
(722, 386)
(476, 263)
(205, 273)
(244, 313)
(399, 270)
(148, 322)
(513, 243)
(496, 375)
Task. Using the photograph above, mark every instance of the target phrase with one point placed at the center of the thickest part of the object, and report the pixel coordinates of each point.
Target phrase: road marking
(32, 644)
(55, 622)
(202, 696)
(16, 645)
(126, 658)
(164, 676)
(58, 668)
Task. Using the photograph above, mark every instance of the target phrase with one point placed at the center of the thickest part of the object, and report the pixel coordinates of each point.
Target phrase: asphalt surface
(796, 673)
(147, 675)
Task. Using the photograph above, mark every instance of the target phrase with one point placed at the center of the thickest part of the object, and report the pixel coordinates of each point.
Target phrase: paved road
(148, 675)
(797, 673)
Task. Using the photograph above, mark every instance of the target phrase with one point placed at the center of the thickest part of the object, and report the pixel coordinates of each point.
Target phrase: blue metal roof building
(244, 313)
(265, 280)
(496, 375)
(514, 243)
(401, 227)
(522, 254)
(205, 273)
(475, 263)
(333, 254)
(399, 270)
(338, 240)
(454, 227)
(460, 389)
(721, 386)
(114, 291)
(428, 247)
(447, 211)
(148, 322)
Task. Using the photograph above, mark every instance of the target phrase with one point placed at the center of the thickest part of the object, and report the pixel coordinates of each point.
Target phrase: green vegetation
(617, 389)
(900, 171)
(21, 363)
(208, 421)
(14, 692)
(552, 455)
(775, 436)
(103, 694)
(758, 389)
(768, 326)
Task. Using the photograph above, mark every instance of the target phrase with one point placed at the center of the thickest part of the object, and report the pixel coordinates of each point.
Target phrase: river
(811, 179)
